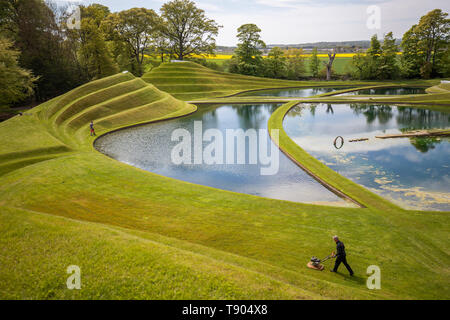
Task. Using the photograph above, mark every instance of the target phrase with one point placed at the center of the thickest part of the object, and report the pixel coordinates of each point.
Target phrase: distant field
(341, 64)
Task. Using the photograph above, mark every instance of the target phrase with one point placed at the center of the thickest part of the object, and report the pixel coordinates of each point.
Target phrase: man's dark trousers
(343, 260)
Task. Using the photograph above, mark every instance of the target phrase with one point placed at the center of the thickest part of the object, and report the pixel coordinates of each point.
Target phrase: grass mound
(188, 80)
(61, 126)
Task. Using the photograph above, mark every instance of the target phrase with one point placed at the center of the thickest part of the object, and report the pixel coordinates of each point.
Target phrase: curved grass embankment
(334, 181)
(139, 235)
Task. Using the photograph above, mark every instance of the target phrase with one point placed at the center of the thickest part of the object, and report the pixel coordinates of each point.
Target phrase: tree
(136, 28)
(248, 52)
(162, 46)
(94, 53)
(424, 45)
(379, 62)
(275, 64)
(188, 29)
(329, 64)
(388, 68)
(314, 64)
(375, 47)
(45, 50)
(295, 64)
(16, 83)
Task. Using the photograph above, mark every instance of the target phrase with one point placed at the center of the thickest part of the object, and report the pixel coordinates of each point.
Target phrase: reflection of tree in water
(425, 144)
(297, 111)
(382, 113)
(408, 119)
(250, 116)
(417, 119)
(330, 109)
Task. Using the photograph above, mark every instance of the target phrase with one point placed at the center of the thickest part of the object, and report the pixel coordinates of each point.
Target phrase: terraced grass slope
(135, 234)
(188, 80)
(61, 126)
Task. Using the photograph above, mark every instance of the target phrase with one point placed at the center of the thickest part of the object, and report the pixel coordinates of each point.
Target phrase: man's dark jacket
(340, 249)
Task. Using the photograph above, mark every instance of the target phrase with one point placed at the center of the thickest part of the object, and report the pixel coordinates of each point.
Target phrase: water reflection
(411, 172)
(386, 91)
(408, 119)
(149, 147)
(292, 92)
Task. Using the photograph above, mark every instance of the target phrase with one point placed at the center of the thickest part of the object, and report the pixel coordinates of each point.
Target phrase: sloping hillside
(61, 126)
(188, 80)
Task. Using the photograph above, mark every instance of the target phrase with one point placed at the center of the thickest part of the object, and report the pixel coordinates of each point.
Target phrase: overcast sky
(300, 21)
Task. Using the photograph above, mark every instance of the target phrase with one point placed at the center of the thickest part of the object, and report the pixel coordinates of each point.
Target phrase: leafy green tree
(295, 64)
(94, 54)
(388, 68)
(314, 64)
(425, 44)
(188, 29)
(412, 57)
(16, 83)
(162, 46)
(379, 62)
(362, 66)
(248, 54)
(375, 47)
(34, 28)
(137, 29)
(444, 63)
(275, 64)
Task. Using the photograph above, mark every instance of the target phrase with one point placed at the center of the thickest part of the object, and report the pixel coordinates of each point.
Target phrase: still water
(149, 147)
(386, 91)
(413, 173)
(292, 92)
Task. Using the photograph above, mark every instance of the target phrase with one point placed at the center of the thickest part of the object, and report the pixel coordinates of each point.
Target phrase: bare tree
(329, 64)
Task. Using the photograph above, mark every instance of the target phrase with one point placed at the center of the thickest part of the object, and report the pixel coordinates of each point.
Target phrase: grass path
(139, 235)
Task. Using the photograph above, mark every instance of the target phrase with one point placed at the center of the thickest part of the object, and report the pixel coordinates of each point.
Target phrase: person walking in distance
(92, 129)
(341, 256)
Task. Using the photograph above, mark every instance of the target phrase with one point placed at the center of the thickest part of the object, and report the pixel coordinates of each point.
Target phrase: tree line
(425, 54)
(41, 53)
(42, 56)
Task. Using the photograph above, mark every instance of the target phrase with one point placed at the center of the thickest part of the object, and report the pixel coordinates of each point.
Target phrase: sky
(303, 21)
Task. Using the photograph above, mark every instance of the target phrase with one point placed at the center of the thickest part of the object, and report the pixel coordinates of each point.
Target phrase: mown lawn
(137, 235)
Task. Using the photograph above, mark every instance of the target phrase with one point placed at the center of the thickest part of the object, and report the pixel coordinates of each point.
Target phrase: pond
(386, 91)
(411, 172)
(150, 148)
(291, 92)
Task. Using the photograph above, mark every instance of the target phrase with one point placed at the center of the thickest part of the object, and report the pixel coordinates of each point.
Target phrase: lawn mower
(316, 263)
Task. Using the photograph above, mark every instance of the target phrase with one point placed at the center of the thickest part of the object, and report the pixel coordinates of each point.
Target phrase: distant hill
(360, 44)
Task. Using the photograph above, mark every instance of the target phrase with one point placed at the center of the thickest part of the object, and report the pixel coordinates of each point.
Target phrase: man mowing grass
(341, 256)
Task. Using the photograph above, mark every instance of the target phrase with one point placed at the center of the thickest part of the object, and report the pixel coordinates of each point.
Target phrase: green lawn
(139, 235)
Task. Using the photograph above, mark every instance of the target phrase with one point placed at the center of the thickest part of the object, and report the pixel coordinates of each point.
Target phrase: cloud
(299, 21)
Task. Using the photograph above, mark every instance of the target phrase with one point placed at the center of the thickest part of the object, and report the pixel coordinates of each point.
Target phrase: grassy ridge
(140, 235)
(189, 81)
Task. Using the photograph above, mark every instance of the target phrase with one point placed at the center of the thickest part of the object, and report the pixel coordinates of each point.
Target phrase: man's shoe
(332, 271)
(352, 274)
